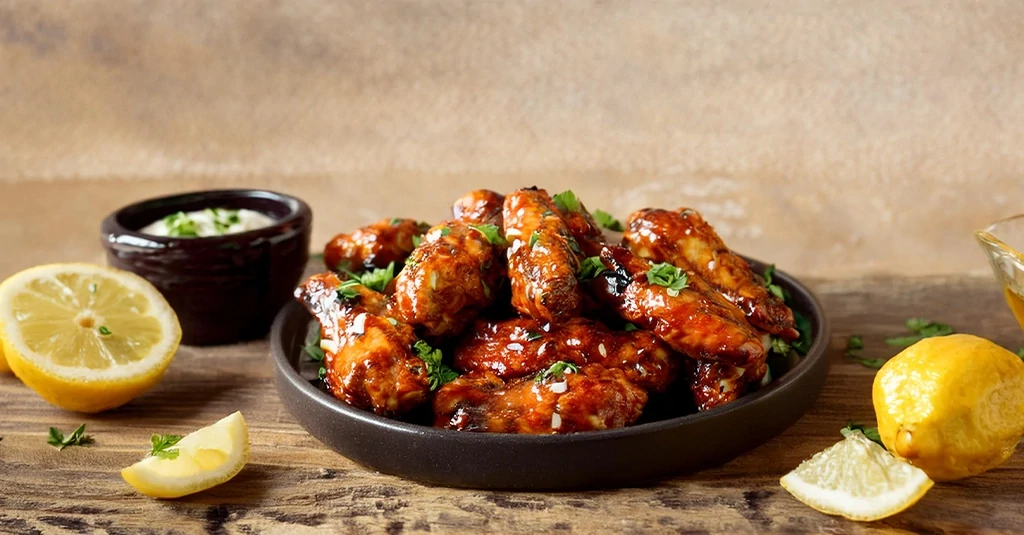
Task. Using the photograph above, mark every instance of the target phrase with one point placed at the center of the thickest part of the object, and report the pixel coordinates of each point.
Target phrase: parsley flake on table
(162, 446)
(607, 220)
(871, 433)
(922, 329)
(556, 370)
(669, 276)
(589, 268)
(76, 438)
(856, 343)
(491, 232)
(567, 201)
(438, 373)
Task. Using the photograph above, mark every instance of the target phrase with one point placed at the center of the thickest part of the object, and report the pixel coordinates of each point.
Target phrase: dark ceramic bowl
(224, 289)
(668, 443)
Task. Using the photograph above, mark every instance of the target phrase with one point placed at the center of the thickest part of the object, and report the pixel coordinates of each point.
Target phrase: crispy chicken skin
(696, 322)
(448, 280)
(369, 361)
(592, 399)
(480, 207)
(683, 238)
(542, 257)
(584, 229)
(373, 246)
(523, 346)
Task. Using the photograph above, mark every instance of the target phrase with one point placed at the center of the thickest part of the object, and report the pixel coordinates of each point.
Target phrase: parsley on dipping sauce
(567, 201)
(162, 446)
(607, 220)
(871, 433)
(180, 225)
(556, 370)
(589, 268)
(438, 373)
(669, 276)
(76, 438)
(490, 232)
(922, 329)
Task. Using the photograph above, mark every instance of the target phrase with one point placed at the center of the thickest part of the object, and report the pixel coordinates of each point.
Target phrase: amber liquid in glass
(1016, 302)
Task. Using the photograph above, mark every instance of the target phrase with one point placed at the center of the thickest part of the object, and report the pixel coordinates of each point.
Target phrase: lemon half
(85, 337)
(857, 479)
(205, 458)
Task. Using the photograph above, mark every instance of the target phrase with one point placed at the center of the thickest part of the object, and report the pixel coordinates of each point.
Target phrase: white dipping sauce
(208, 222)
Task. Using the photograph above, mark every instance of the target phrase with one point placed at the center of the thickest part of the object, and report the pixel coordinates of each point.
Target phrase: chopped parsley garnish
(589, 268)
(607, 220)
(547, 213)
(532, 335)
(312, 347)
(376, 279)
(223, 219)
(445, 231)
(321, 373)
(803, 326)
(395, 221)
(180, 225)
(573, 244)
(491, 232)
(76, 438)
(780, 346)
(438, 373)
(556, 370)
(103, 330)
(922, 329)
(871, 433)
(775, 289)
(534, 237)
(567, 201)
(630, 328)
(855, 343)
(669, 276)
(416, 240)
(346, 290)
(162, 446)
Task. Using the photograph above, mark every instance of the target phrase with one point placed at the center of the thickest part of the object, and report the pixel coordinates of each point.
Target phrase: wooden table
(293, 484)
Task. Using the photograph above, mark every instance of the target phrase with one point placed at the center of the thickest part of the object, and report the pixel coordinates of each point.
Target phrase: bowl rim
(777, 388)
(112, 229)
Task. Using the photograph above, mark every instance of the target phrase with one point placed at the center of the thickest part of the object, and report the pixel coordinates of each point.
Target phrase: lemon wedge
(84, 337)
(203, 459)
(4, 367)
(857, 479)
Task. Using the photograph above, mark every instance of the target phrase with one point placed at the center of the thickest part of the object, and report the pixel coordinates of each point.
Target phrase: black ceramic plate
(664, 445)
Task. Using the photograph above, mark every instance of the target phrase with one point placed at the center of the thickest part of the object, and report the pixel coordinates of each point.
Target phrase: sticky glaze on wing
(684, 239)
(481, 207)
(373, 246)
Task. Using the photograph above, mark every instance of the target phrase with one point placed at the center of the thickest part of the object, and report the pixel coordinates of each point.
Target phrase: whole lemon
(953, 405)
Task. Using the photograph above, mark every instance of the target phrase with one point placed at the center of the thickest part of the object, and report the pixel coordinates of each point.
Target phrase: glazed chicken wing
(481, 207)
(683, 238)
(590, 399)
(582, 225)
(523, 346)
(367, 355)
(448, 280)
(715, 384)
(543, 257)
(373, 246)
(696, 321)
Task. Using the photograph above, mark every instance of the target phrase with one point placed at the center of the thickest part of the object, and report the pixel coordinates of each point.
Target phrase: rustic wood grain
(293, 484)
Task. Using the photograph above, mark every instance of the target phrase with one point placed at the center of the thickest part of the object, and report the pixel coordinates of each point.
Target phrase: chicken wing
(715, 384)
(481, 207)
(683, 238)
(367, 355)
(592, 398)
(543, 257)
(373, 246)
(695, 321)
(523, 346)
(450, 277)
(581, 224)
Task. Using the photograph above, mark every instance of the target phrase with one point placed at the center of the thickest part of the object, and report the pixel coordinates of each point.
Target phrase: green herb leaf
(556, 370)
(77, 438)
(866, 362)
(774, 289)
(803, 326)
(533, 238)
(438, 373)
(531, 336)
(854, 342)
(547, 213)
(392, 321)
(589, 268)
(630, 328)
(416, 240)
(103, 330)
(445, 231)
(179, 225)
(669, 276)
(395, 221)
(567, 201)
(871, 433)
(162, 446)
(316, 354)
(607, 221)
(321, 373)
(376, 279)
(922, 329)
(780, 346)
(346, 290)
(573, 244)
(492, 233)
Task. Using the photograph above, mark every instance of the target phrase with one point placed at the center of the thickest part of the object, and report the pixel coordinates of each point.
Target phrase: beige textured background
(835, 138)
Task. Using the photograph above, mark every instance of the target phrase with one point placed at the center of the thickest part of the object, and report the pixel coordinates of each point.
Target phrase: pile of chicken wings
(519, 315)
